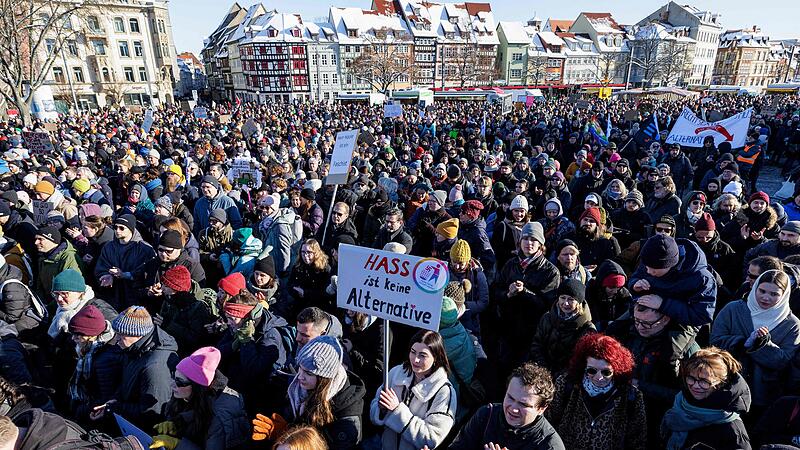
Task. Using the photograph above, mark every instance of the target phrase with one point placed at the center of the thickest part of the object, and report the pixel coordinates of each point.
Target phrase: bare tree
(606, 65)
(647, 55)
(536, 69)
(384, 61)
(33, 34)
(675, 64)
(465, 64)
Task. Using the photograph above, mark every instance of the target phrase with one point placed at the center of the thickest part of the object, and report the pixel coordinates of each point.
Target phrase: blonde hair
(301, 438)
(717, 362)
(320, 258)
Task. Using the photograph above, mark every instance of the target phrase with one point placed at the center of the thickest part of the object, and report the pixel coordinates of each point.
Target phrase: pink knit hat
(201, 365)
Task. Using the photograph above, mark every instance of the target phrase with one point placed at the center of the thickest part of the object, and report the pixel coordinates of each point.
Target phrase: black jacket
(605, 309)
(629, 227)
(16, 303)
(595, 251)
(13, 364)
(489, 425)
(657, 207)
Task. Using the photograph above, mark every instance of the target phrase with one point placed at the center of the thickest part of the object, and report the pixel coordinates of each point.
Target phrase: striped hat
(134, 321)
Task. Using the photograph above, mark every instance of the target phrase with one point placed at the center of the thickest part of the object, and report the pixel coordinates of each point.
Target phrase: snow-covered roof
(662, 31)
(543, 43)
(366, 24)
(575, 45)
(253, 13)
(603, 23)
(446, 21)
(514, 32)
(751, 37)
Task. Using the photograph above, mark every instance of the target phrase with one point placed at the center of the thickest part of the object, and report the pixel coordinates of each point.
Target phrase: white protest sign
(690, 130)
(342, 157)
(148, 121)
(243, 173)
(392, 110)
(201, 112)
(40, 210)
(38, 143)
(400, 288)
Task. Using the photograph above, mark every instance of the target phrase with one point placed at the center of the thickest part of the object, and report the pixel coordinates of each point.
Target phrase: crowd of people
(605, 292)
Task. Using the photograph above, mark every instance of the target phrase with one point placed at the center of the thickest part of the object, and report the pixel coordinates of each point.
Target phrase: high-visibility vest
(748, 160)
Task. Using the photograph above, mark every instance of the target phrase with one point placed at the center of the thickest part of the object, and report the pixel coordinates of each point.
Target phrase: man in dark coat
(680, 168)
(718, 253)
(392, 231)
(580, 187)
(594, 242)
(170, 254)
(472, 228)
(19, 227)
(340, 225)
(787, 244)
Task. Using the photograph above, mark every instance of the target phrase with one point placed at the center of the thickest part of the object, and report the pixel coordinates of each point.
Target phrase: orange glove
(268, 427)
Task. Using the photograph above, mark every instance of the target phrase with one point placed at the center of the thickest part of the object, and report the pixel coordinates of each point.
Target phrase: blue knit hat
(134, 321)
(152, 184)
(321, 356)
(69, 280)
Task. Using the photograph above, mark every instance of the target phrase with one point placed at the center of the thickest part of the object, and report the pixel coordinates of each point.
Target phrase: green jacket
(58, 260)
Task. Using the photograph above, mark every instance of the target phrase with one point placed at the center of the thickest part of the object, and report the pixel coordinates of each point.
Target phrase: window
(516, 73)
(142, 74)
(124, 51)
(352, 33)
(77, 72)
(99, 47)
(129, 74)
(72, 47)
(58, 75)
(106, 75)
(50, 44)
(324, 60)
(161, 27)
(137, 48)
(333, 59)
(93, 23)
(119, 25)
(134, 25)
(324, 78)
(516, 56)
(334, 78)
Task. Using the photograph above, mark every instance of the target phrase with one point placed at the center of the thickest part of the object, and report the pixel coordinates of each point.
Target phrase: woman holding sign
(420, 406)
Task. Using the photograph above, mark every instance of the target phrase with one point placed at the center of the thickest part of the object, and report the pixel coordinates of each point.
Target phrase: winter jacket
(517, 313)
(771, 247)
(422, 227)
(400, 236)
(595, 251)
(17, 306)
(184, 317)
(59, 259)
(22, 229)
(100, 383)
(425, 414)
(763, 368)
(253, 363)
(146, 385)
(229, 427)
(204, 207)
(780, 423)
(314, 284)
(719, 256)
(244, 260)
(477, 299)
(155, 269)
(489, 425)
(680, 169)
(347, 405)
(629, 227)
(657, 207)
(475, 235)
(557, 229)
(334, 232)
(619, 422)
(604, 309)
(731, 397)
(366, 354)
(65, 206)
(93, 246)
(461, 355)
(313, 219)
(555, 338)
(44, 430)
(504, 239)
(580, 187)
(13, 363)
(688, 290)
(280, 237)
(131, 258)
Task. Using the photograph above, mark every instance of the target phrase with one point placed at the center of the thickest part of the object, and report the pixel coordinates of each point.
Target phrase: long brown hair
(177, 224)
(301, 438)
(435, 344)
(318, 411)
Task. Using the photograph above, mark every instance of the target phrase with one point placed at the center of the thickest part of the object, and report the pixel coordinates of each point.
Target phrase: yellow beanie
(45, 187)
(460, 252)
(448, 228)
(81, 185)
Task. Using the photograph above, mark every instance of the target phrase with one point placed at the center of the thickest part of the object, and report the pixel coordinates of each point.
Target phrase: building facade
(611, 42)
(122, 54)
(743, 59)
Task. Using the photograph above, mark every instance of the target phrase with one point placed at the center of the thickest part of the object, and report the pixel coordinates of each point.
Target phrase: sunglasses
(664, 229)
(592, 371)
(180, 382)
(647, 325)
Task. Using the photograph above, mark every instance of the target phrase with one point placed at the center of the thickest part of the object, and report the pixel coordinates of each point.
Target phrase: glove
(244, 334)
(158, 321)
(162, 440)
(268, 427)
(167, 427)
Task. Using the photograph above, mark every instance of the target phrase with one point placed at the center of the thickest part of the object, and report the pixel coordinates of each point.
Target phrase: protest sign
(148, 121)
(129, 429)
(200, 113)
(135, 109)
(51, 127)
(582, 104)
(392, 110)
(225, 118)
(366, 138)
(397, 287)
(632, 115)
(38, 142)
(40, 211)
(249, 128)
(342, 157)
(244, 173)
(690, 130)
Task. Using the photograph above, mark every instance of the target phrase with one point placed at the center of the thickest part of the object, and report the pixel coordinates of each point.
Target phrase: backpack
(37, 310)
(96, 440)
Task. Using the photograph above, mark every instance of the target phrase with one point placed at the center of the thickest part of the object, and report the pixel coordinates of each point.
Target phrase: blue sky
(194, 20)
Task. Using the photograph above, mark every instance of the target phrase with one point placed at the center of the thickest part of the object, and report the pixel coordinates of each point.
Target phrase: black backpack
(96, 440)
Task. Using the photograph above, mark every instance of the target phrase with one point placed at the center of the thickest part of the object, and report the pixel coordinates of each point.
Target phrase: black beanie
(308, 194)
(170, 239)
(212, 181)
(660, 252)
(126, 220)
(266, 265)
(573, 288)
(50, 233)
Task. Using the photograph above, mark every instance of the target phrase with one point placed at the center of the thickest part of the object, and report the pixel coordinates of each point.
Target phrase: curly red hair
(600, 346)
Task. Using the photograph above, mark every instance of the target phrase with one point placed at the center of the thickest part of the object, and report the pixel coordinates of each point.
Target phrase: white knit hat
(519, 202)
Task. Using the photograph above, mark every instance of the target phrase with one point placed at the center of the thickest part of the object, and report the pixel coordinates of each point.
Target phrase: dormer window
(454, 20)
(296, 32)
(352, 32)
(272, 32)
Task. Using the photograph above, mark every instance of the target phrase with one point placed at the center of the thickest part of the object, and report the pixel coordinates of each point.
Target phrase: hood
(557, 202)
(609, 267)
(690, 259)
(286, 216)
(766, 219)
(56, 198)
(252, 246)
(45, 430)
(478, 223)
(270, 321)
(269, 293)
(582, 319)
(349, 401)
(158, 340)
(734, 397)
(6, 329)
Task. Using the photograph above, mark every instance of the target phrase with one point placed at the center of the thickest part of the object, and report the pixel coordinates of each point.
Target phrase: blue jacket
(204, 206)
(792, 211)
(689, 290)
(475, 235)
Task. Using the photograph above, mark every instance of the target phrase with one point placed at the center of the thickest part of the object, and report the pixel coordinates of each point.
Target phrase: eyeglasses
(645, 324)
(166, 250)
(592, 371)
(120, 228)
(752, 276)
(703, 383)
(697, 203)
(60, 294)
(338, 214)
(663, 229)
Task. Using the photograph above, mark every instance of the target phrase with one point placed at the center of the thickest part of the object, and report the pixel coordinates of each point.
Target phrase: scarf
(693, 218)
(63, 315)
(684, 417)
(771, 317)
(83, 368)
(298, 395)
(594, 390)
(525, 262)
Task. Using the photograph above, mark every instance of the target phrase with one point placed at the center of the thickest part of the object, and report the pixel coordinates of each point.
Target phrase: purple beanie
(201, 365)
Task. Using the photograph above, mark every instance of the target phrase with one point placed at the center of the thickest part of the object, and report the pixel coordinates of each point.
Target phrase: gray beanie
(792, 226)
(635, 196)
(440, 196)
(219, 215)
(165, 202)
(321, 356)
(534, 230)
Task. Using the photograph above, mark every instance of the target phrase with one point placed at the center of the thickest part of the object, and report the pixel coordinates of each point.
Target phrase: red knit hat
(760, 195)
(89, 321)
(472, 208)
(233, 283)
(614, 280)
(705, 223)
(178, 279)
(592, 213)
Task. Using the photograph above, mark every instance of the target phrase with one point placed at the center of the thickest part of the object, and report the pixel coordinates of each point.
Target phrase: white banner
(400, 288)
(690, 130)
(392, 110)
(148, 121)
(342, 157)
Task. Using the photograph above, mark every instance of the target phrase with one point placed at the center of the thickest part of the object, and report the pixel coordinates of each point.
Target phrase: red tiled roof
(385, 7)
(560, 25)
(474, 8)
